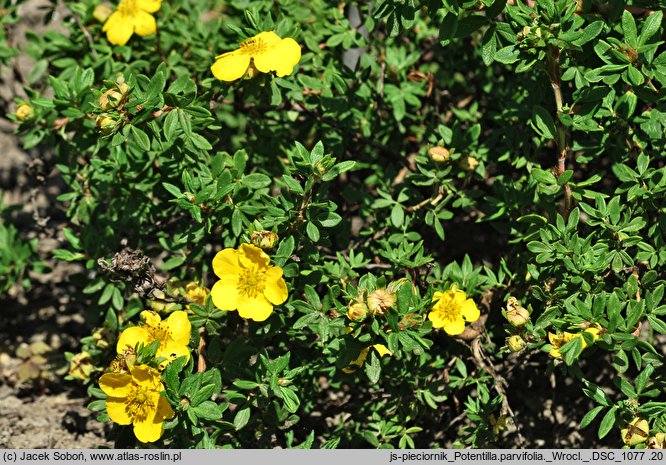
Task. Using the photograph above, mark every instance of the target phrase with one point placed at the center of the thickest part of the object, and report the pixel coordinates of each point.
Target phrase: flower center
(159, 333)
(251, 282)
(128, 7)
(253, 46)
(139, 404)
(448, 311)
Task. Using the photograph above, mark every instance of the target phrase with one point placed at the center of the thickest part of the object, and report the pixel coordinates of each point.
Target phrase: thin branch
(563, 148)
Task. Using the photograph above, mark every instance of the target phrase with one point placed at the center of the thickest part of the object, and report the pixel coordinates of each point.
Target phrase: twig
(87, 35)
(480, 359)
(563, 149)
(201, 350)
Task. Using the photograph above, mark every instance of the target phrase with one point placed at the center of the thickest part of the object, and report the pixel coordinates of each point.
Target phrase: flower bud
(635, 432)
(102, 12)
(658, 441)
(101, 337)
(516, 343)
(516, 314)
(80, 366)
(380, 300)
(110, 99)
(24, 112)
(468, 163)
(105, 124)
(357, 310)
(196, 293)
(438, 154)
(264, 239)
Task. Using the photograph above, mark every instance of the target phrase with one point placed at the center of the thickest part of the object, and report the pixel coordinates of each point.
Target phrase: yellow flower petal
(164, 410)
(469, 311)
(555, 353)
(149, 430)
(276, 289)
(119, 28)
(291, 53)
(115, 408)
(171, 352)
(144, 375)
(130, 337)
(179, 327)
(281, 58)
(455, 327)
(116, 384)
(251, 256)
(225, 293)
(151, 6)
(225, 263)
(151, 318)
(382, 350)
(257, 309)
(230, 66)
(144, 23)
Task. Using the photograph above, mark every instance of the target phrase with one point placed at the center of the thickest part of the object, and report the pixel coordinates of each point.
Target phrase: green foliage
(552, 117)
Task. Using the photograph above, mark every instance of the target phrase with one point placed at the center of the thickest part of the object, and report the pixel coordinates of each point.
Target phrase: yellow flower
(247, 283)
(635, 432)
(134, 399)
(173, 334)
(130, 17)
(559, 339)
(24, 112)
(451, 310)
(266, 52)
(360, 360)
(196, 293)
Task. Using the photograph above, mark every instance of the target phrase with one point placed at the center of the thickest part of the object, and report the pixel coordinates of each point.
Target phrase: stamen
(253, 46)
(139, 404)
(251, 283)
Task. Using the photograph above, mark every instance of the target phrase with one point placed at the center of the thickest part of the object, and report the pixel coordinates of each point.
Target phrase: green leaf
(141, 138)
(312, 231)
(397, 215)
(607, 423)
(650, 27)
(241, 419)
(208, 410)
(629, 28)
(543, 123)
(373, 369)
(590, 416)
(290, 399)
(507, 55)
(543, 176)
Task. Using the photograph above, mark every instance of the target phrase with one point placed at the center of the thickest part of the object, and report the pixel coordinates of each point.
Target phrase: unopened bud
(635, 432)
(516, 343)
(658, 441)
(380, 300)
(357, 310)
(102, 12)
(196, 293)
(438, 154)
(264, 239)
(80, 366)
(24, 112)
(105, 124)
(516, 314)
(468, 163)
